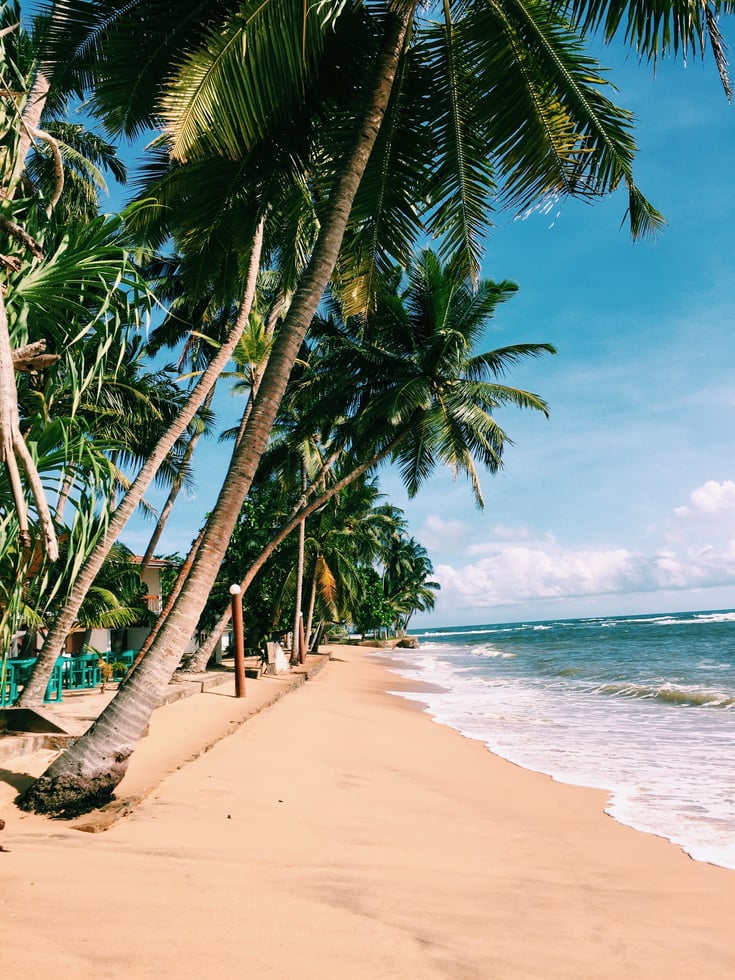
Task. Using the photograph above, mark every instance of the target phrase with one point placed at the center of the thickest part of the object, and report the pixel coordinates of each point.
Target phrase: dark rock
(408, 643)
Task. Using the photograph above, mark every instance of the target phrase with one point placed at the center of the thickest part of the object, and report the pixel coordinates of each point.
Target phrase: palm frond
(547, 122)
(655, 29)
(463, 171)
(224, 98)
(384, 221)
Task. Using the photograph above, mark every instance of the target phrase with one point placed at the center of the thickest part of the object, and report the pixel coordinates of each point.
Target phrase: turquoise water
(641, 706)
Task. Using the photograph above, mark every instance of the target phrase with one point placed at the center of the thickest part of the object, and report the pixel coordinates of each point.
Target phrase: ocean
(640, 706)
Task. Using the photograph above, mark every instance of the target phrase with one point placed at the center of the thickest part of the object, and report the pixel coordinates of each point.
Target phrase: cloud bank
(697, 551)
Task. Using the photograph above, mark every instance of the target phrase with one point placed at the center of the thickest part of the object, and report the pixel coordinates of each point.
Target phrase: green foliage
(371, 611)
(169, 573)
(261, 513)
(407, 583)
(117, 597)
(406, 380)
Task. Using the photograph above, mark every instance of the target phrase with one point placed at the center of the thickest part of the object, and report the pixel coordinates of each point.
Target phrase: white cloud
(517, 574)
(437, 533)
(697, 552)
(711, 498)
(503, 533)
(503, 537)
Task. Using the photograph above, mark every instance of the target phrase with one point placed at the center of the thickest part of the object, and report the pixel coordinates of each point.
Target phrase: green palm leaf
(654, 29)
(549, 126)
(463, 171)
(225, 97)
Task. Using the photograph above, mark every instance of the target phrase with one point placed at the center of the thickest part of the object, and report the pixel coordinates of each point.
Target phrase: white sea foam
(493, 652)
(718, 617)
(476, 631)
(667, 768)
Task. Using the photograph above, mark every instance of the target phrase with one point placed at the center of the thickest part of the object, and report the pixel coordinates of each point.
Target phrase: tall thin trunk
(89, 771)
(204, 654)
(205, 651)
(66, 486)
(297, 653)
(12, 446)
(170, 601)
(13, 450)
(310, 613)
(175, 489)
(30, 120)
(33, 692)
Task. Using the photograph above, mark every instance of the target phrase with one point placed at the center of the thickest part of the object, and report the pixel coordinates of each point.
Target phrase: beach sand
(343, 834)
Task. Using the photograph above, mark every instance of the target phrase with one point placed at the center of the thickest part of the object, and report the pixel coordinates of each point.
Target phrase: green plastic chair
(8, 683)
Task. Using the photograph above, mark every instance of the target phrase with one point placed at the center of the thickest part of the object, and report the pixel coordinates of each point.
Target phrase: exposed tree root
(68, 795)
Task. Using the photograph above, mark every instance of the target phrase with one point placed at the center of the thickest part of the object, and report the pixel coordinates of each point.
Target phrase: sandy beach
(342, 834)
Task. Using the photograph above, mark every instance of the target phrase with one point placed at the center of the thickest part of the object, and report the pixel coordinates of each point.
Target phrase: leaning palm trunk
(87, 773)
(63, 498)
(33, 692)
(203, 655)
(175, 489)
(310, 613)
(205, 651)
(170, 601)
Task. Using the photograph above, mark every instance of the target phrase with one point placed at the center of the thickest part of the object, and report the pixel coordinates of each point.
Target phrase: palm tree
(407, 583)
(117, 597)
(352, 530)
(122, 416)
(56, 636)
(31, 585)
(534, 103)
(42, 193)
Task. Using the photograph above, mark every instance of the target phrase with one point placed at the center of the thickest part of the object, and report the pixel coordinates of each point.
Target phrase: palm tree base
(70, 795)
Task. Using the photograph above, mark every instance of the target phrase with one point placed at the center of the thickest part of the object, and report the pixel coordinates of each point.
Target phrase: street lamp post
(236, 594)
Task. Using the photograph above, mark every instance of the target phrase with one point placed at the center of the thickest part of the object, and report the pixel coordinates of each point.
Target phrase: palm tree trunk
(12, 447)
(170, 601)
(205, 651)
(32, 112)
(175, 489)
(90, 770)
(14, 450)
(203, 655)
(66, 486)
(297, 653)
(307, 509)
(310, 613)
(34, 690)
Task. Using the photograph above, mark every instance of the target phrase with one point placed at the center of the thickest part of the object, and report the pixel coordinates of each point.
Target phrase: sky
(623, 501)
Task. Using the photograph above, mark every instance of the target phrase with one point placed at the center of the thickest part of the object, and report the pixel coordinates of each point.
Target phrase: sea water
(640, 706)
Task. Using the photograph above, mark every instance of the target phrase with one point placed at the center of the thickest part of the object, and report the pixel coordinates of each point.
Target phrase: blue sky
(624, 501)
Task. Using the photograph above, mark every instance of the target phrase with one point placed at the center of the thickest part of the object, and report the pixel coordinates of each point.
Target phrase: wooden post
(236, 594)
(302, 640)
